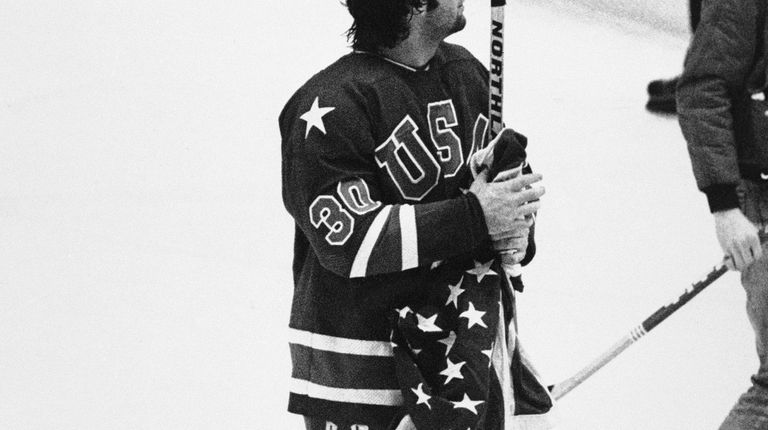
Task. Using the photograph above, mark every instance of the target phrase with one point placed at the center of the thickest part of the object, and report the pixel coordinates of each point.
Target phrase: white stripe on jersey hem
(389, 60)
(346, 395)
(360, 265)
(409, 241)
(341, 345)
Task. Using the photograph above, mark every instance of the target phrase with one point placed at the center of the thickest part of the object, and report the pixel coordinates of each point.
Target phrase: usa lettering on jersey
(414, 167)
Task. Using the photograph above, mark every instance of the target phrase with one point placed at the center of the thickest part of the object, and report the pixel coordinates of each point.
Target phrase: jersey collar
(396, 63)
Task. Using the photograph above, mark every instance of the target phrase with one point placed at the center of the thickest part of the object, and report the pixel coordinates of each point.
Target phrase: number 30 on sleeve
(328, 212)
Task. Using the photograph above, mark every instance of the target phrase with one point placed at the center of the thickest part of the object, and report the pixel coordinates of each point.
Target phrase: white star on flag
(453, 371)
(428, 324)
(404, 312)
(456, 291)
(422, 396)
(473, 316)
(487, 353)
(482, 270)
(467, 403)
(314, 117)
(448, 341)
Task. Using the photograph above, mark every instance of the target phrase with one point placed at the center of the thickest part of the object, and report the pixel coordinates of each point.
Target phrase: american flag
(451, 352)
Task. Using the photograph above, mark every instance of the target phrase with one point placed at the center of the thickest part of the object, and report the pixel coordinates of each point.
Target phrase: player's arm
(331, 188)
(717, 65)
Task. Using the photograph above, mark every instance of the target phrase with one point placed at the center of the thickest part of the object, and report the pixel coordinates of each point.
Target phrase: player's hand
(505, 203)
(738, 239)
(513, 248)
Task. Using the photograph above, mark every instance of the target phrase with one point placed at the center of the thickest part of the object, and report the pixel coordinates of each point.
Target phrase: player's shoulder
(345, 83)
(354, 71)
(459, 67)
(334, 104)
(449, 53)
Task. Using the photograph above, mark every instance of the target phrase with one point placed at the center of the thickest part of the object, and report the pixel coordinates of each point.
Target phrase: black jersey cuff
(477, 220)
(721, 197)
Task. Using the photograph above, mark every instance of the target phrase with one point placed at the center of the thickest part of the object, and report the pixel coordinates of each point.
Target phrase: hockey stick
(561, 389)
(496, 101)
(496, 77)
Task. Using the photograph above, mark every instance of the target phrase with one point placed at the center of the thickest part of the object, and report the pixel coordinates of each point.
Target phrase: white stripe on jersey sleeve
(347, 395)
(341, 345)
(360, 265)
(409, 241)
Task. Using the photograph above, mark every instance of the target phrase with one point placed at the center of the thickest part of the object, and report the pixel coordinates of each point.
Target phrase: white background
(145, 255)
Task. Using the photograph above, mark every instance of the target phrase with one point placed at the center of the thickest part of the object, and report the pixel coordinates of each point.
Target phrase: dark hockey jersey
(375, 171)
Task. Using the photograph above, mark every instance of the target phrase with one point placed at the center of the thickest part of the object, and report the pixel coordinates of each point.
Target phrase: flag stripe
(339, 344)
(360, 264)
(409, 239)
(347, 395)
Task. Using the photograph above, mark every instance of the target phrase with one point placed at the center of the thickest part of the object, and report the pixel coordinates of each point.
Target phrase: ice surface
(145, 253)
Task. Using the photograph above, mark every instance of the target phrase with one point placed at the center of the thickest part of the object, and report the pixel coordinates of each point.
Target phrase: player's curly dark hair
(381, 23)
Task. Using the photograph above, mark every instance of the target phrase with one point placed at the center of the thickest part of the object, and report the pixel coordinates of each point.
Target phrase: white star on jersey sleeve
(314, 117)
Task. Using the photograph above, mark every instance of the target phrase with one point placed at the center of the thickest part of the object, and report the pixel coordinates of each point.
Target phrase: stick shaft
(569, 384)
(496, 69)
(561, 389)
(665, 311)
(496, 89)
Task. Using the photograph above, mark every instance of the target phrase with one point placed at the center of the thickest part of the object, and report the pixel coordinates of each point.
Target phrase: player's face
(448, 17)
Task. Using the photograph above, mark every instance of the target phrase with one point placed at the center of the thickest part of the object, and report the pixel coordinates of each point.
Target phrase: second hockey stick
(561, 389)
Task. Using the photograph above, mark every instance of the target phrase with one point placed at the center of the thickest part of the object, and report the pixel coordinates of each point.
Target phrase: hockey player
(375, 152)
